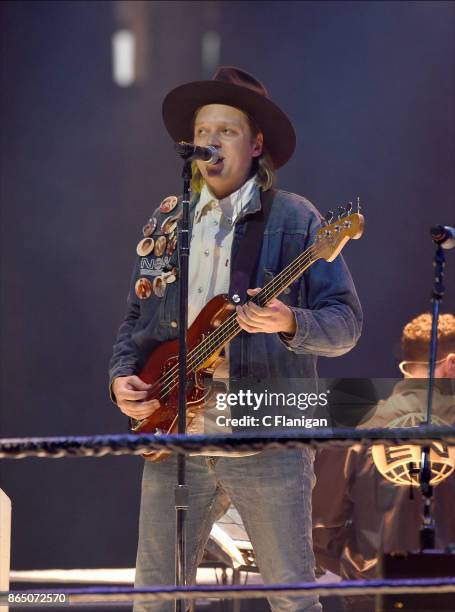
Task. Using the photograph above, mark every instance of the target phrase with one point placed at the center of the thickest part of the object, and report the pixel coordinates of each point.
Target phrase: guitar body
(161, 370)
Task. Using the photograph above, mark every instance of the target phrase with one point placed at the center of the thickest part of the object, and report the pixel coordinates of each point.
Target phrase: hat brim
(180, 105)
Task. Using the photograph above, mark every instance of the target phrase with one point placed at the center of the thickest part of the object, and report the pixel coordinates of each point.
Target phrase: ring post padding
(5, 543)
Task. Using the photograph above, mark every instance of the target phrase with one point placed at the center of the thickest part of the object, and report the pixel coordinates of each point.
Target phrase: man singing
(319, 315)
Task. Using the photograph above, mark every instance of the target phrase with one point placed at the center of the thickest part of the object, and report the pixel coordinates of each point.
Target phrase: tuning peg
(349, 208)
(341, 212)
(359, 208)
(329, 216)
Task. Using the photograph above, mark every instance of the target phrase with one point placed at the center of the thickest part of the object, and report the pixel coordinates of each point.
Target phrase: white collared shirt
(211, 243)
(209, 275)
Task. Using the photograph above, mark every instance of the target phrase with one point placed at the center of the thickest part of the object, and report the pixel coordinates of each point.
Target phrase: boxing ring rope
(167, 593)
(101, 445)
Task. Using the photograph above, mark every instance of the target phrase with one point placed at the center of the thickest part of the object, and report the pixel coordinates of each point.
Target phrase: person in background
(358, 513)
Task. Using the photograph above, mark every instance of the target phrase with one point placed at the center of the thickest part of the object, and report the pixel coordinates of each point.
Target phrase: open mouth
(217, 163)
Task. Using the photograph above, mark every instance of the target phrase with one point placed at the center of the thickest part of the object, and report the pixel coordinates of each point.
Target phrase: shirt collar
(233, 206)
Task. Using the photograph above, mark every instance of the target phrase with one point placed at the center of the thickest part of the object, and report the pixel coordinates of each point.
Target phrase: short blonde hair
(262, 165)
(415, 339)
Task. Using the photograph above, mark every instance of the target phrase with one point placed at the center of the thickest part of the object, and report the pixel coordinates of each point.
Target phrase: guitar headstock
(332, 236)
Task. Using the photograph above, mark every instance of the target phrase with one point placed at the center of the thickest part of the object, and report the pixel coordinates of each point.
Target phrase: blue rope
(408, 585)
(124, 444)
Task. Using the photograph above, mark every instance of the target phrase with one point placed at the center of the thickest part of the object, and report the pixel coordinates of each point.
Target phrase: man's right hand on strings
(131, 394)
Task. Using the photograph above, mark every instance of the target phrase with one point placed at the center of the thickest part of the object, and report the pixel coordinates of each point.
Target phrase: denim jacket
(324, 301)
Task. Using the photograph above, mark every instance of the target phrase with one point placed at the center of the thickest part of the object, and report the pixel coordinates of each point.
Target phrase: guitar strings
(221, 335)
(217, 338)
(230, 327)
(268, 292)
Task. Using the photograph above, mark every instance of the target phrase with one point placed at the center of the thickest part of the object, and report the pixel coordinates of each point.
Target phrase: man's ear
(258, 145)
(448, 367)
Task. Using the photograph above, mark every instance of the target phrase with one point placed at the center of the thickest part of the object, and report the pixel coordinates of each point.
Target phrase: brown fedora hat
(233, 87)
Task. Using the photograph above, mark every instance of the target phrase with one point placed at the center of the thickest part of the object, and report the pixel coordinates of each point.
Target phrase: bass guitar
(215, 326)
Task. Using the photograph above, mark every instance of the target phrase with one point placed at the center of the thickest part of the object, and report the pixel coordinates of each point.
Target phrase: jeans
(272, 493)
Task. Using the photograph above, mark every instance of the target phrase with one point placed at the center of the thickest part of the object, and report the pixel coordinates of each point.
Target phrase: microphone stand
(427, 531)
(181, 491)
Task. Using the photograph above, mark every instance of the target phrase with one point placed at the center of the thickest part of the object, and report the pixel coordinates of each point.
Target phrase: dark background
(370, 89)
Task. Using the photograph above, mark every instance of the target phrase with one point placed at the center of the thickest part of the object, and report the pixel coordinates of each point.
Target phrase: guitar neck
(230, 328)
(286, 277)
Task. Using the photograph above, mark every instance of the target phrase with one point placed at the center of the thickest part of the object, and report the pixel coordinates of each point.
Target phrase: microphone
(207, 154)
(443, 235)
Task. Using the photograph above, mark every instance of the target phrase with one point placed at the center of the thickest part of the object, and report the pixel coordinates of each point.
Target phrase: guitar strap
(245, 261)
